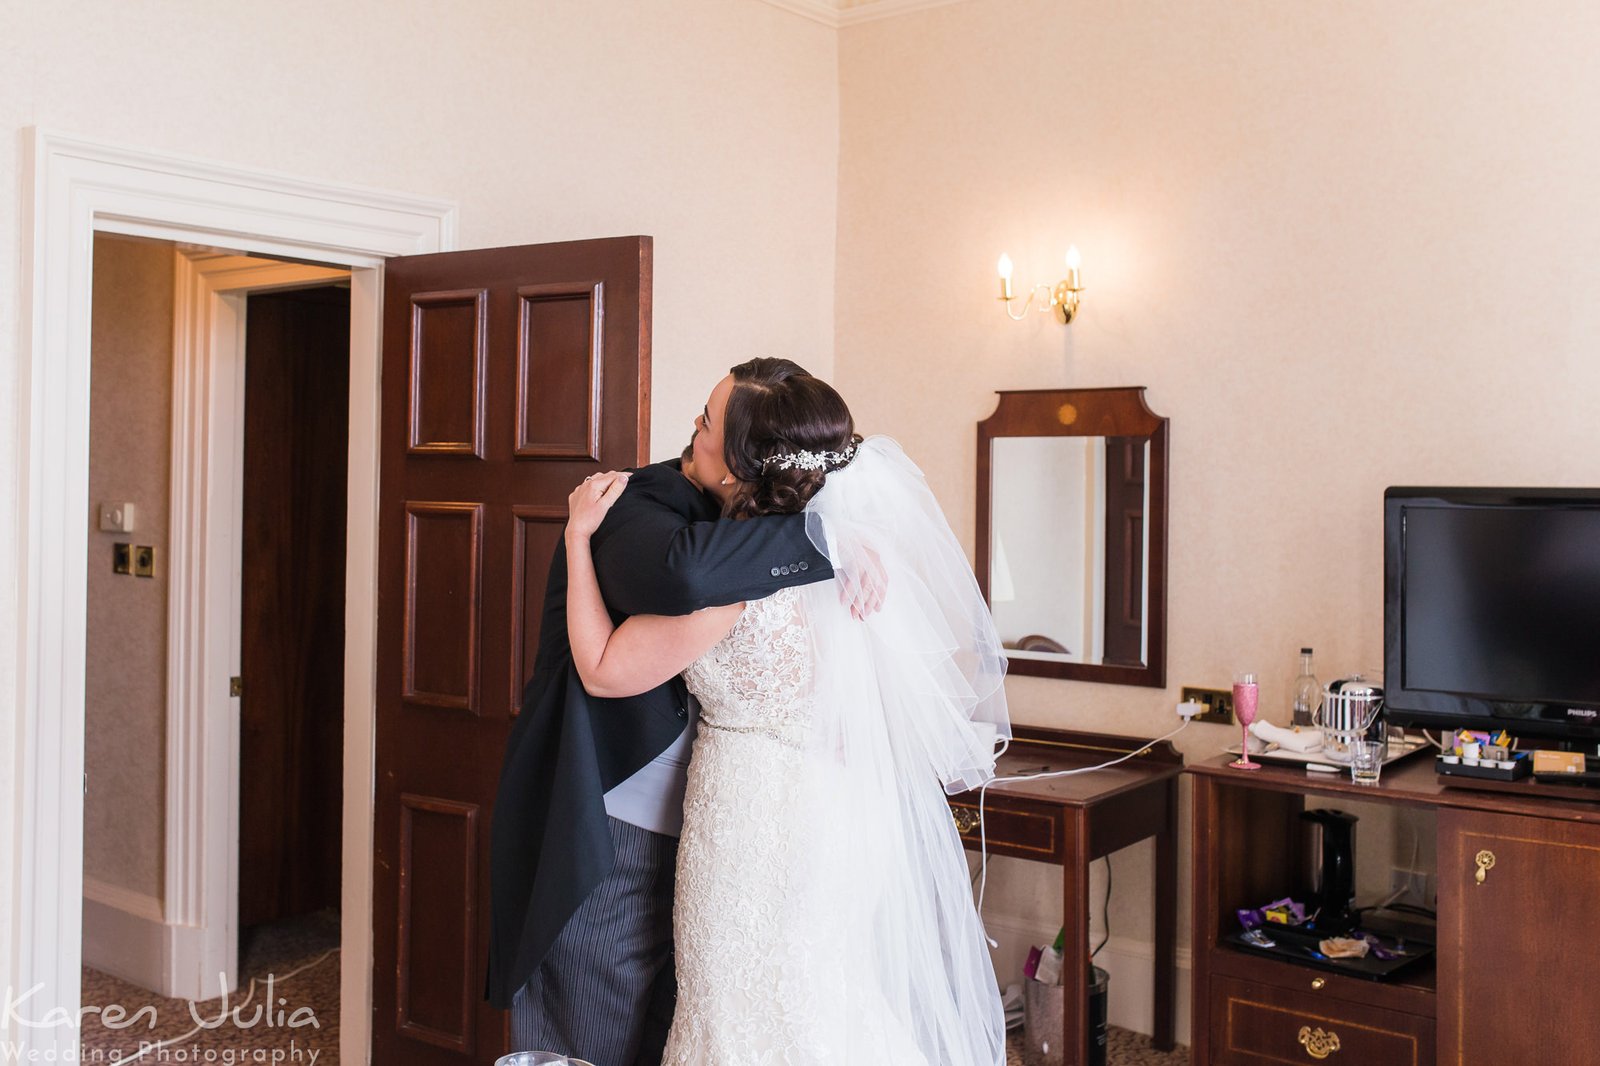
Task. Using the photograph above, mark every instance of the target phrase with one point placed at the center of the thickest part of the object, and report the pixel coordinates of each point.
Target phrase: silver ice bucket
(1349, 707)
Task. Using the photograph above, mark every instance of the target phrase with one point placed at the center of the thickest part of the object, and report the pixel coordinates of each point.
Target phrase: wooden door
(291, 726)
(1516, 950)
(1124, 603)
(508, 375)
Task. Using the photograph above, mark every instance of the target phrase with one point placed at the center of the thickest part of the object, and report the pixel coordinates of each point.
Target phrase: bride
(823, 910)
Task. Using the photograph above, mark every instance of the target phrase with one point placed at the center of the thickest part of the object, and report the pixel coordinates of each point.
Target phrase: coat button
(784, 570)
(805, 566)
(682, 713)
(774, 571)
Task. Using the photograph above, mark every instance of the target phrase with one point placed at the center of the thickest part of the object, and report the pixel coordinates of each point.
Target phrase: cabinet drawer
(1019, 831)
(1257, 1023)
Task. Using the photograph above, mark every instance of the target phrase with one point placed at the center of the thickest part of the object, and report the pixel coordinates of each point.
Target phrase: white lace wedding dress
(769, 899)
(824, 912)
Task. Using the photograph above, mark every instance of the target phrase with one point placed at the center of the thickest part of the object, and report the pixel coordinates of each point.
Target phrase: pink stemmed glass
(1244, 708)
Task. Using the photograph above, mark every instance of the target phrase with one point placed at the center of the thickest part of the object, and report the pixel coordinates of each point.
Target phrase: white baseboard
(1130, 964)
(124, 935)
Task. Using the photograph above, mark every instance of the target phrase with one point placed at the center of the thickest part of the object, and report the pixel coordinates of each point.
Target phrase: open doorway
(80, 188)
(281, 776)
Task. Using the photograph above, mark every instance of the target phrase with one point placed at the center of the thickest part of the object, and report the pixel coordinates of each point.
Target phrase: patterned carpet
(1123, 1048)
(305, 989)
(301, 1020)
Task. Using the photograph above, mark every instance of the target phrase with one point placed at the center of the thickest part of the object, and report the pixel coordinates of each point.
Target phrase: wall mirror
(1072, 533)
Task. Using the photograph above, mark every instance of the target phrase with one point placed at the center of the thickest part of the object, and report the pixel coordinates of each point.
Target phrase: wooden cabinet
(1252, 1022)
(1519, 946)
(1517, 949)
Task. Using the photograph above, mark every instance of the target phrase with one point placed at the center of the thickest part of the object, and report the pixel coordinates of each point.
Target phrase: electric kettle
(1328, 850)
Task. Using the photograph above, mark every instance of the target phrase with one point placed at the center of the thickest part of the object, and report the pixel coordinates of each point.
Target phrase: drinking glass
(1245, 692)
(534, 1058)
(1366, 760)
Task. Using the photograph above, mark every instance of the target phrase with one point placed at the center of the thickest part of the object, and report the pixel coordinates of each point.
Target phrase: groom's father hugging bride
(589, 807)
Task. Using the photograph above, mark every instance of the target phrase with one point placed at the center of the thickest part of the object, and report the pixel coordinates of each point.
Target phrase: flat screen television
(1491, 615)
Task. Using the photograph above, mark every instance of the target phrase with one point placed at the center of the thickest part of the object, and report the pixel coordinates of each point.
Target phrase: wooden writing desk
(1070, 822)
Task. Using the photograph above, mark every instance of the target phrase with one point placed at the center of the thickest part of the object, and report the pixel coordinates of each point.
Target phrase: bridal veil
(909, 704)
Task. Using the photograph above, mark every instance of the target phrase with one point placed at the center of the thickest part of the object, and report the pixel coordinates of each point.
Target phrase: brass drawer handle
(1485, 861)
(1318, 1044)
(1317, 983)
(966, 819)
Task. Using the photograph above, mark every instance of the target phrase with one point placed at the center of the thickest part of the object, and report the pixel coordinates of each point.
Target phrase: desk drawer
(1019, 831)
(1256, 1023)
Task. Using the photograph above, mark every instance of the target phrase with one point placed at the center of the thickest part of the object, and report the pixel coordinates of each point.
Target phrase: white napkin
(1289, 739)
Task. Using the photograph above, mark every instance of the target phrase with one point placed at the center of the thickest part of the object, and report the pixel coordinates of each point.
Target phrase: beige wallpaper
(1345, 246)
(130, 448)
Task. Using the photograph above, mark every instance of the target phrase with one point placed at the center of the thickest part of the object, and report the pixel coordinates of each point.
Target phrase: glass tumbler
(1366, 760)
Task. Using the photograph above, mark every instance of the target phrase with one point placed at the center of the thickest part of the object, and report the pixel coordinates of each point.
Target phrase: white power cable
(983, 791)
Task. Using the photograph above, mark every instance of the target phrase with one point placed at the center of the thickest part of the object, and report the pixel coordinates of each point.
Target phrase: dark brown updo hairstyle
(777, 408)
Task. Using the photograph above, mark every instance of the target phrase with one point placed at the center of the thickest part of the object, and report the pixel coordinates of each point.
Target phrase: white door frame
(199, 935)
(79, 187)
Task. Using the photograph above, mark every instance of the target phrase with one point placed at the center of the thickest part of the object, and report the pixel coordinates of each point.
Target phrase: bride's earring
(728, 480)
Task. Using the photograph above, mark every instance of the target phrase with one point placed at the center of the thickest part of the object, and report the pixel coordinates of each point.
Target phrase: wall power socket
(1218, 704)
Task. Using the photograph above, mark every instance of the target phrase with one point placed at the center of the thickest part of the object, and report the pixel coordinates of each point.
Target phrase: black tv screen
(1492, 609)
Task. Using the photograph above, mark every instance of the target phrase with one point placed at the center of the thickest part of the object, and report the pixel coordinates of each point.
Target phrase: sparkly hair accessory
(808, 460)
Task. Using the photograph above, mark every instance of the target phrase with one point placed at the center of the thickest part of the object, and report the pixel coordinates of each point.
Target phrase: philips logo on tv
(1582, 712)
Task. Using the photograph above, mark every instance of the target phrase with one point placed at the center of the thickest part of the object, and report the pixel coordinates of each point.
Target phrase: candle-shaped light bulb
(1005, 276)
(1074, 260)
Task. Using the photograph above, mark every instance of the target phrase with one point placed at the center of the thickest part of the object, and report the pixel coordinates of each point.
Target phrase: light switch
(116, 518)
(122, 558)
(144, 561)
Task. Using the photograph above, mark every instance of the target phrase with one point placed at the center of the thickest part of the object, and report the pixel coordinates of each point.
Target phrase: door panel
(448, 349)
(538, 531)
(558, 395)
(508, 375)
(444, 583)
(438, 904)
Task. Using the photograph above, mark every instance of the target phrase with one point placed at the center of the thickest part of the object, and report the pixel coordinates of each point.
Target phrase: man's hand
(863, 588)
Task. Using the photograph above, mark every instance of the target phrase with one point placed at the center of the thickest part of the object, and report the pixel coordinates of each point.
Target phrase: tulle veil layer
(909, 704)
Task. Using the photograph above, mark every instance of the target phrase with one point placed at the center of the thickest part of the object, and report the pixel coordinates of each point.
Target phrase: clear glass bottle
(1307, 693)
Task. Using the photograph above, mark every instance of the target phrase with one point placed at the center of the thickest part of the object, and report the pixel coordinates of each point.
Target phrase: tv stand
(1515, 951)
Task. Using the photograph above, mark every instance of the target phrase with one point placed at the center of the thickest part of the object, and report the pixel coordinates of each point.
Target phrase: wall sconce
(1063, 298)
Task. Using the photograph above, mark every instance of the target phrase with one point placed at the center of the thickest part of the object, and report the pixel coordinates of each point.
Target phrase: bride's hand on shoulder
(590, 501)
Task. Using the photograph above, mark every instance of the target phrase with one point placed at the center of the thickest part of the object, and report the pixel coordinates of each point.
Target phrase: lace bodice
(758, 677)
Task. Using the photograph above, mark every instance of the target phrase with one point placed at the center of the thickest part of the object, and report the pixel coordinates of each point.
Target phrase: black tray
(1520, 768)
(1297, 944)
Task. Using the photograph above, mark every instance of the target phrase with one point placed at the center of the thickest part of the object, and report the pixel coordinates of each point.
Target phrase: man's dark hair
(777, 408)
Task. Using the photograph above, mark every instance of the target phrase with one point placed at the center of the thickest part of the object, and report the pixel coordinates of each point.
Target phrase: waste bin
(1044, 1042)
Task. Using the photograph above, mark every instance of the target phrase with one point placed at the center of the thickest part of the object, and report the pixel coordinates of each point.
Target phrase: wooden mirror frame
(1116, 412)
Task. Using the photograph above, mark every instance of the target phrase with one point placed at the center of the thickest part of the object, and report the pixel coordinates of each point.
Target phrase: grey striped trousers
(606, 990)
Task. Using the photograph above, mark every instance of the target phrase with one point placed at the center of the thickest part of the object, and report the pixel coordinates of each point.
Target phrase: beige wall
(709, 124)
(130, 449)
(1346, 246)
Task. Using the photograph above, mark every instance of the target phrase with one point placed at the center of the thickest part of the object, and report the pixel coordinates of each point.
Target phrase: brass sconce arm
(1062, 297)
